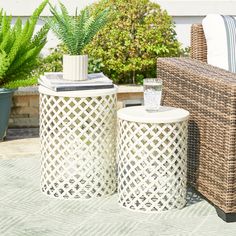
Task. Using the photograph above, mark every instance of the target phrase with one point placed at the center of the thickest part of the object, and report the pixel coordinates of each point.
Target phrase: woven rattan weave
(152, 158)
(209, 94)
(198, 43)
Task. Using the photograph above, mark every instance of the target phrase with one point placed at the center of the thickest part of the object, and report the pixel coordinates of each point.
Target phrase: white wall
(184, 12)
(187, 12)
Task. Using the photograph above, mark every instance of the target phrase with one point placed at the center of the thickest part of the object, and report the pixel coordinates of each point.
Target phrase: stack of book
(55, 82)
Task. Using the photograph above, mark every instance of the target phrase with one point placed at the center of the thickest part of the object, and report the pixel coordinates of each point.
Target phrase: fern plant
(76, 31)
(19, 48)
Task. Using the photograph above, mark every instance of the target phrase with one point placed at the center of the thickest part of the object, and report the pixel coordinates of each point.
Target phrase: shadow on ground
(22, 133)
(192, 197)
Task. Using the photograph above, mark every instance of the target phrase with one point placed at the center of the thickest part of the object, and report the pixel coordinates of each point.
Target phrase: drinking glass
(152, 94)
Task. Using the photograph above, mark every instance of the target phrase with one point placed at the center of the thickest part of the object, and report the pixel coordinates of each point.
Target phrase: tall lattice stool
(78, 143)
(152, 158)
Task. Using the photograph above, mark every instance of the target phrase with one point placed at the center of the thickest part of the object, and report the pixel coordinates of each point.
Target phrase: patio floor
(25, 211)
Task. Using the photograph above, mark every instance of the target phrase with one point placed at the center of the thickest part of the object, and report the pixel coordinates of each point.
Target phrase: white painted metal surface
(78, 143)
(164, 115)
(79, 94)
(152, 159)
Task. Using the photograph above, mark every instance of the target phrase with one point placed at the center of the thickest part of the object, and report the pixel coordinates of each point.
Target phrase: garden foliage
(130, 43)
(127, 47)
(19, 48)
(53, 62)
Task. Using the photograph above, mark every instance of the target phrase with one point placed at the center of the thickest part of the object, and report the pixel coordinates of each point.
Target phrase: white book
(55, 81)
(56, 78)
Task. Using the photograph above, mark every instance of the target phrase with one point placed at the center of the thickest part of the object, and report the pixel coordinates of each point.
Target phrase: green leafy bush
(53, 62)
(76, 32)
(19, 49)
(129, 45)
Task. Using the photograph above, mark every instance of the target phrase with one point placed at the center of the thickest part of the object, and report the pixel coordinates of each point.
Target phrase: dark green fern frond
(75, 32)
(79, 30)
(40, 36)
(64, 12)
(96, 24)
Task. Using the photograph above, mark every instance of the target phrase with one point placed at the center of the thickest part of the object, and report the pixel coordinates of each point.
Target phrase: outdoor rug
(25, 211)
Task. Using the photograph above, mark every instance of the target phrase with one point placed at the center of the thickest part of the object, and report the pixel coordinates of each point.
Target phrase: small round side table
(78, 143)
(152, 158)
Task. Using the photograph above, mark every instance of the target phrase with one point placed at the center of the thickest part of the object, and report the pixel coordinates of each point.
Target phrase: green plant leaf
(4, 64)
(138, 33)
(19, 49)
(75, 32)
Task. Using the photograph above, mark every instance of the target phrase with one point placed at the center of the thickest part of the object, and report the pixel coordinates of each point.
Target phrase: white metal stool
(152, 158)
(78, 143)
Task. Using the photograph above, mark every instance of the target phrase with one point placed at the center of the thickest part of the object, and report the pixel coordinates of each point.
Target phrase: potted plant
(76, 32)
(19, 50)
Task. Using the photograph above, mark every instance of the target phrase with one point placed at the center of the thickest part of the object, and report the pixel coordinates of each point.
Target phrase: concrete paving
(20, 143)
(25, 211)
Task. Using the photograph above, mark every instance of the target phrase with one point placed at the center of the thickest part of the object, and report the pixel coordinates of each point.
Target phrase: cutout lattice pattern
(152, 165)
(78, 146)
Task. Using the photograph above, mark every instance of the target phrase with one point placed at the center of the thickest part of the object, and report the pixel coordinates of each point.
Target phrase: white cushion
(220, 33)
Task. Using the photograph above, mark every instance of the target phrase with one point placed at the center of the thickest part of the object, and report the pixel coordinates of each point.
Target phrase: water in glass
(152, 94)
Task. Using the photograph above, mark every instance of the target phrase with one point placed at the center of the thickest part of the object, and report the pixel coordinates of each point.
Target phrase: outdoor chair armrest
(209, 94)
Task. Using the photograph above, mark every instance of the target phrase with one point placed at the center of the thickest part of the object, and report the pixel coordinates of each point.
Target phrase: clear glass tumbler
(152, 94)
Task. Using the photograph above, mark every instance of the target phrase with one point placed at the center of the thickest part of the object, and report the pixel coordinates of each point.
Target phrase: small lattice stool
(152, 158)
(78, 143)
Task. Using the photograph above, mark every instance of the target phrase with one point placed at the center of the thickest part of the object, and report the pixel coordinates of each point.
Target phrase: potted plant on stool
(75, 32)
(19, 50)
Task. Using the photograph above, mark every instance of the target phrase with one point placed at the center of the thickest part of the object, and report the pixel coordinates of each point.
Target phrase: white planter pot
(75, 67)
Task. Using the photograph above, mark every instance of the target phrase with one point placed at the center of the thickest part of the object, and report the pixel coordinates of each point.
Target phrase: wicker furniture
(152, 158)
(78, 139)
(209, 94)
